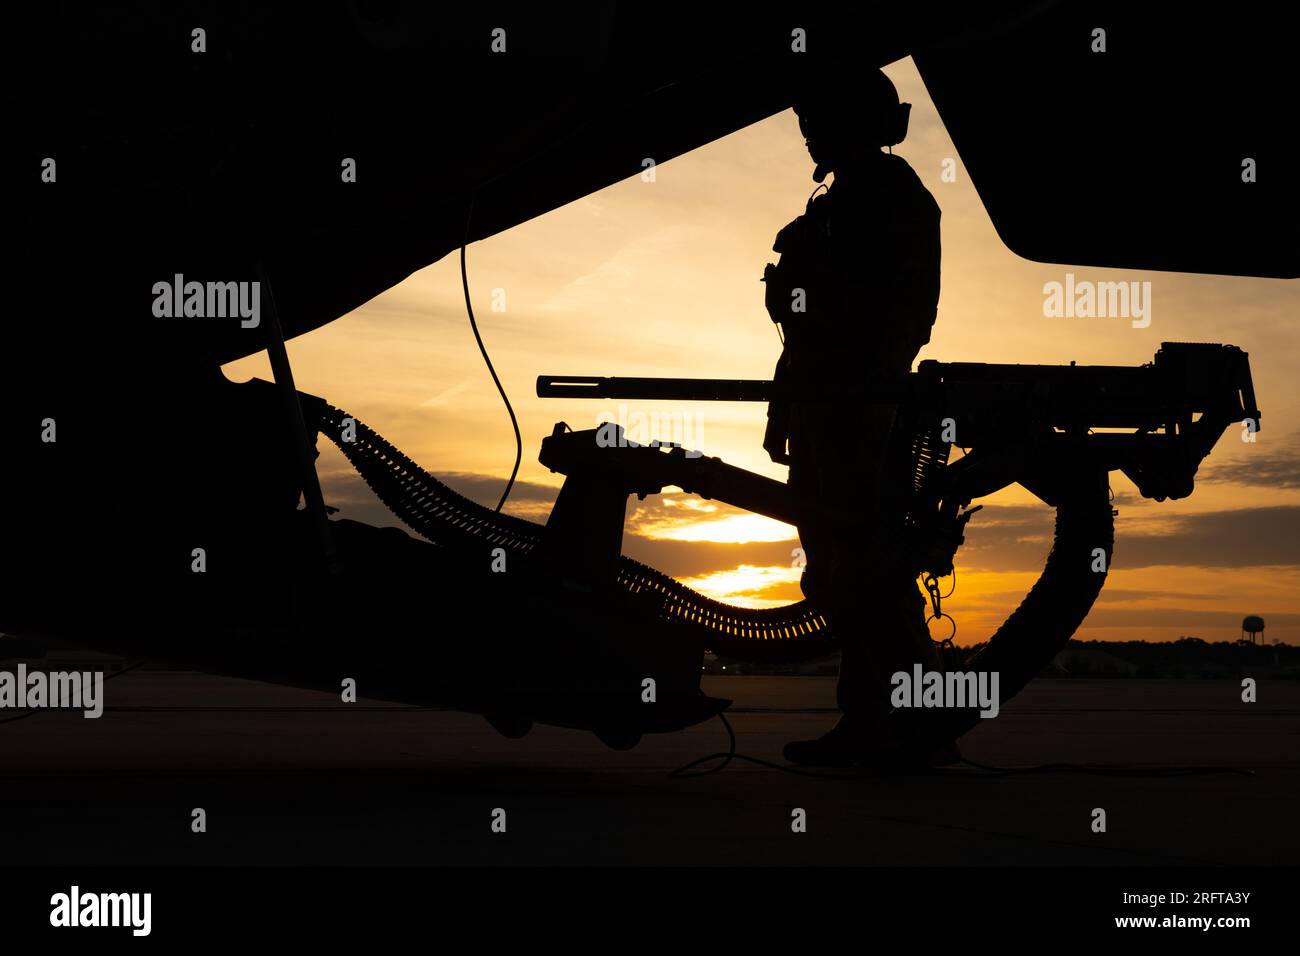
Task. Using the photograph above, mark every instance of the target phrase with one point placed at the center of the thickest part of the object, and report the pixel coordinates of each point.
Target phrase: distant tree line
(1187, 657)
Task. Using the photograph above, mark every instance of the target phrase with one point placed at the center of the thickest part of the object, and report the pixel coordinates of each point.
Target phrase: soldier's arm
(911, 281)
(778, 416)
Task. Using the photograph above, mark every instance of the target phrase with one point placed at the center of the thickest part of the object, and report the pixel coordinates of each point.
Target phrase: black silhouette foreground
(571, 630)
(158, 458)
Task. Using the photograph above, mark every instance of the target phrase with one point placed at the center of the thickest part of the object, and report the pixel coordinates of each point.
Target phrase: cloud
(344, 489)
(486, 489)
(1018, 538)
(1270, 469)
(1240, 538)
(690, 559)
(1109, 595)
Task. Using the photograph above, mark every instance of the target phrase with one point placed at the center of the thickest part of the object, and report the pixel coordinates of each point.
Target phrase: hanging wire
(473, 324)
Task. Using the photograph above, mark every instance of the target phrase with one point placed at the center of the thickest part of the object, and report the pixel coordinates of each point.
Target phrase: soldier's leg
(814, 537)
(856, 621)
(870, 584)
(879, 615)
(822, 469)
(875, 606)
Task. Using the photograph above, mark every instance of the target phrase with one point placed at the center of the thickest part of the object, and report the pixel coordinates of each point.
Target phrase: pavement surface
(297, 777)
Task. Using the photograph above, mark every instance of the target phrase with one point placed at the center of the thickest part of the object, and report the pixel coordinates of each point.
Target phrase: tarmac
(292, 777)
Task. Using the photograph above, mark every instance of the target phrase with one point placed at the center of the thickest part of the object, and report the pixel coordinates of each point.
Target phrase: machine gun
(1019, 423)
(1057, 430)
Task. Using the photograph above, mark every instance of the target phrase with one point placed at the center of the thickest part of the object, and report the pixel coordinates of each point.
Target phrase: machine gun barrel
(716, 389)
(669, 389)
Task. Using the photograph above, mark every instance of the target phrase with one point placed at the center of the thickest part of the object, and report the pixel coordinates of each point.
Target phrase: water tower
(1252, 627)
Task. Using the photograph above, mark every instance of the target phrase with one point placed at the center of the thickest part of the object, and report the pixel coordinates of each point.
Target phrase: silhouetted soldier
(855, 291)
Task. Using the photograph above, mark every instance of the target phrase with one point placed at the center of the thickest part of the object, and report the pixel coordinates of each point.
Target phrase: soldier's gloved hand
(776, 294)
(774, 440)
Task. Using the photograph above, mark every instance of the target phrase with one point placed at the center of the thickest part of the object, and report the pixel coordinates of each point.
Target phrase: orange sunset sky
(661, 278)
